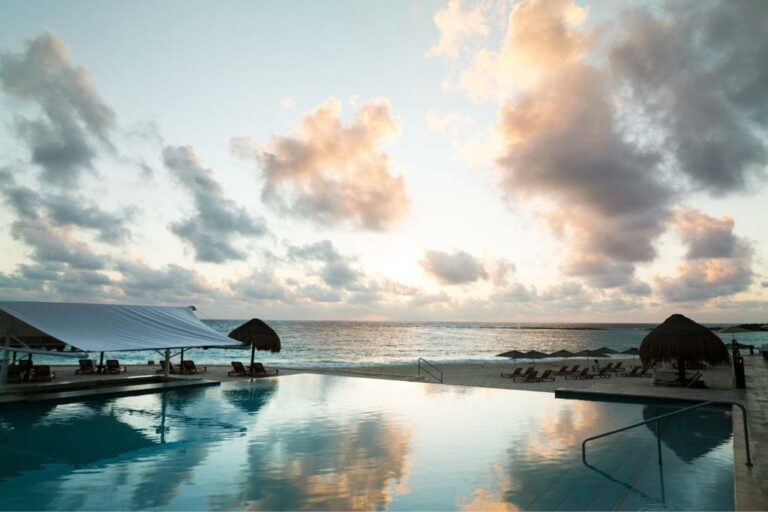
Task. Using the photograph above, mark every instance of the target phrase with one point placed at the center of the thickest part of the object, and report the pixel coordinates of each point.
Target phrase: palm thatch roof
(681, 339)
(256, 333)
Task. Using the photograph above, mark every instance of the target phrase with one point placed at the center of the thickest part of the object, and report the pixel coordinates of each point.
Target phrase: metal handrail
(426, 369)
(658, 428)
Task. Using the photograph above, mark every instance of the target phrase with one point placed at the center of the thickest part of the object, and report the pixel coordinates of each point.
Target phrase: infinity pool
(321, 442)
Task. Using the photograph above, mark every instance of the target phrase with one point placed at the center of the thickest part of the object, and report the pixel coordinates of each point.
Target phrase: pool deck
(66, 392)
(750, 483)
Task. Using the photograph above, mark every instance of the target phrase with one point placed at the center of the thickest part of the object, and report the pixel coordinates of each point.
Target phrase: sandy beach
(463, 374)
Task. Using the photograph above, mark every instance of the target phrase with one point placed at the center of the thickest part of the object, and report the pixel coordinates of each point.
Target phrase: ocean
(336, 343)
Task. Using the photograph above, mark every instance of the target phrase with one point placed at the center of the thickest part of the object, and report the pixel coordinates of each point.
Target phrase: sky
(534, 160)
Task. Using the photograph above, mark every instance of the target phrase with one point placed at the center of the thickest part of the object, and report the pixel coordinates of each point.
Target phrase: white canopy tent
(102, 328)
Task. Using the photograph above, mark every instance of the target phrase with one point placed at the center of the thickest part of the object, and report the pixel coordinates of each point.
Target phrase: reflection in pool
(320, 442)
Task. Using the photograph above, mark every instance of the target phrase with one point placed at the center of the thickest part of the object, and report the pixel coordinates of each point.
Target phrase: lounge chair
(258, 370)
(113, 366)
(171, 369)
(690, 382)
(507, 375)
(619, 367)
(546, 376)
(188, 367)
(604, 373)
(583, 374)
(563, 370)
(14, 374)
(529, 370)
(42, 373)
(238, 369)
(574, 368)
(606, 368)
(630, 373)
(528, 377)
(86, 366)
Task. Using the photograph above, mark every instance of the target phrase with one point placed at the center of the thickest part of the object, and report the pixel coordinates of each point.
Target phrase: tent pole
(4, 365)
(167, 361)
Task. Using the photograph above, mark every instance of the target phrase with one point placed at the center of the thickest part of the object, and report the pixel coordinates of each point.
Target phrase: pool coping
(124, 388)
(747, 480)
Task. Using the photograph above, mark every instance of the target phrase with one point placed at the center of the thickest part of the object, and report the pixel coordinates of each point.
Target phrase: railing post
(658, 439)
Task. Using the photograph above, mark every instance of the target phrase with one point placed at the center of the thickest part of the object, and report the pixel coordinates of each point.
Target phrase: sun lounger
(238, 369)
(171, 368)
(606, 368)
(583, 374)
(42, 373)
(574, 368)
(619, 367)
(546, 376)
(529, 370)
(113, 366)
(604, 373)
(14, 374)
(503, 374)
(258, 370)
(528, 377)
(86, 366)
(690, 382)
(563, 370)
(630, 373)
(188, 367)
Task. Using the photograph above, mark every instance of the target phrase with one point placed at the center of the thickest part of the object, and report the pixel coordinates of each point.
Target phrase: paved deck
(750, 482)
(74, 390)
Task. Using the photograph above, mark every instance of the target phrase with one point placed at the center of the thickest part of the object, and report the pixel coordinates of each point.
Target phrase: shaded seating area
(75, 330)
(682, 343)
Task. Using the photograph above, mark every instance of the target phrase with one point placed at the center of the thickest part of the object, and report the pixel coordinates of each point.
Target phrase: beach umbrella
(607, 350)
(634, 351)
(682, 340)
(534, 354)
(512, 354)
(258, 335)
(590, 353)
(561, 353)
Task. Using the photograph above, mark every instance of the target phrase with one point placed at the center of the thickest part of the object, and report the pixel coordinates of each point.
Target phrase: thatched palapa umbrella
(258, 335)
(681, 339)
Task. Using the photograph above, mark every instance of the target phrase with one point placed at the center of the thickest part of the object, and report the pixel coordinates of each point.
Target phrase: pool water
(321, 442)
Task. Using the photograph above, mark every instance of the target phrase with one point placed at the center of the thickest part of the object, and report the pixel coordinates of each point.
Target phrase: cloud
(261, 285)
(456, 26)
(333, 173)
(718, 263)
(74, 117)
(697, 69)
(63, 210)
(170, 283)
(541, 36)
(602, 194)
(287, 102)
(705, 236)
(453, 268)
(217, 220)
(52, 245)
(336, 270)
